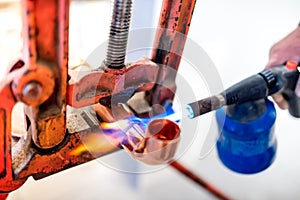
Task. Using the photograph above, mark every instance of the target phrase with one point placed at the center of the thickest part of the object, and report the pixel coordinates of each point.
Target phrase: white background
(237, 35)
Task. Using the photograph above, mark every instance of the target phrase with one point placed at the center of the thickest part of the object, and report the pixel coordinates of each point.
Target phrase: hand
(286, 49)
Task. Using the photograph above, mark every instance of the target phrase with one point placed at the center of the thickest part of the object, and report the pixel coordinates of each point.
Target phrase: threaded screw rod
(118, 35)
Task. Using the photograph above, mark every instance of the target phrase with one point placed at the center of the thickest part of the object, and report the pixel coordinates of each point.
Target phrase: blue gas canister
(247, 143)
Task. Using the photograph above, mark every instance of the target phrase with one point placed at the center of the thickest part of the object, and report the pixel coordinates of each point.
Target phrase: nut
(32, 90)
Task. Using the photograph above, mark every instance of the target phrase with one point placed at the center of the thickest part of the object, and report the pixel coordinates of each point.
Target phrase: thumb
(273, 62)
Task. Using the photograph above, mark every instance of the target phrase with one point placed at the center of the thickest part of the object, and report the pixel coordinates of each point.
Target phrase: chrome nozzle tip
(190, 110)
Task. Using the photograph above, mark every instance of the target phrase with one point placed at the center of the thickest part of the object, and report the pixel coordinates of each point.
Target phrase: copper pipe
(174, 23)
(198, 180)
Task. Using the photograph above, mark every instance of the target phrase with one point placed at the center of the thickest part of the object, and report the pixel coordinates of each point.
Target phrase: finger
(280, 101)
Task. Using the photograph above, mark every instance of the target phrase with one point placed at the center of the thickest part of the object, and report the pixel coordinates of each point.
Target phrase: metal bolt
(118, 36)
(32, 90)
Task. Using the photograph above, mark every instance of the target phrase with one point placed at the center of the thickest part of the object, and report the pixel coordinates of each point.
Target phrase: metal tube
(198, 180)
(206, 105)
(174, 23)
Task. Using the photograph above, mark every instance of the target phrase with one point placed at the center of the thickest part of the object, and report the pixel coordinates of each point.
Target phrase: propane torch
(247, 143)
(268, 82)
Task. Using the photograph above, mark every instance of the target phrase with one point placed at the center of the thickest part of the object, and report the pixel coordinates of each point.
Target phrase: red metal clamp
(40, 82)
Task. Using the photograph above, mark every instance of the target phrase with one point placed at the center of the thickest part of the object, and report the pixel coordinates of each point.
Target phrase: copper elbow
(157, 146)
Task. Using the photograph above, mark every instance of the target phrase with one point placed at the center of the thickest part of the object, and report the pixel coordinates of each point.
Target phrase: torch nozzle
(205, 105)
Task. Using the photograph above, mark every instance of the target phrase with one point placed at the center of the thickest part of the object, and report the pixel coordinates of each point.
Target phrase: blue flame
(169, 114)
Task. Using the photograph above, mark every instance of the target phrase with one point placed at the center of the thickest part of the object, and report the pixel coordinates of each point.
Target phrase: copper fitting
(157, 146)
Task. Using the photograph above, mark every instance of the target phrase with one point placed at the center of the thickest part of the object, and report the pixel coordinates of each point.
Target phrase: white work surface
(237, 36)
